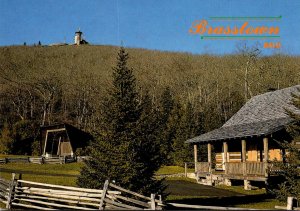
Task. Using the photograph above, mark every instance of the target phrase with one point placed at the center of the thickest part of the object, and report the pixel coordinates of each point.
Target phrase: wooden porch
(256, 171)
(250, 163)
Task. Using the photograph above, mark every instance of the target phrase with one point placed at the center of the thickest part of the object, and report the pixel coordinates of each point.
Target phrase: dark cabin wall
(73, 140)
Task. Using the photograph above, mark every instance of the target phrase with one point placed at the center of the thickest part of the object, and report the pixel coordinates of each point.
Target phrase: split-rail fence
(18, 193)
(43, 160)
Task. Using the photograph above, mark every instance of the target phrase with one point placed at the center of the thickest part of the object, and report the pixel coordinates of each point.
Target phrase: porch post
(195, 156)
(209, 156)
(266, 154)
(227, 181)
(247, 185)
(225, 146)
(266, 149)
(46, 139)
(243, 150)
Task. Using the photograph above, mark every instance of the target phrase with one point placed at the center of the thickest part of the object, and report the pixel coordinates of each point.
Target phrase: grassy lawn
(69, 181)
(173, 170)
(181, 190)
(186, 191)
(47, 173)
(15, 156)
(71, 168)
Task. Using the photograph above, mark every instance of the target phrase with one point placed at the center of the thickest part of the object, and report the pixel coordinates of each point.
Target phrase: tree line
(187, 94)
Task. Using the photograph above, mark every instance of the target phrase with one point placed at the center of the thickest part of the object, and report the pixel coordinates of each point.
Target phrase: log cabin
(62, 140)
(244, 146)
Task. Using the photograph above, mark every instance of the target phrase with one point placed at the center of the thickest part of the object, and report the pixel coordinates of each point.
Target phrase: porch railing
(245, 168)
(203, 167)
(238, 168)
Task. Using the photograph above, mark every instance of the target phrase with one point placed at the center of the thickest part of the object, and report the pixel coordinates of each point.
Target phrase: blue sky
(150, 24)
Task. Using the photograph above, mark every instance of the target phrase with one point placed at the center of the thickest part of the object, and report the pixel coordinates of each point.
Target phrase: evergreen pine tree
(148, 147)
(185, 129)
(125, 149)
(6, 142)
(167, 104)
(289, 169)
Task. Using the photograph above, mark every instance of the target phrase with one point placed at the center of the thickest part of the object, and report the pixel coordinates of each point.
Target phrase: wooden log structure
(195, 156)
(44, 160)
(209, 157)
(254, 134)
(11, 192)
(38, 160)
(3, 160)
(17, 160)
(266, 154)
(203, 167)
(152, 206)
(101, 206)
(20, 193)
(225, 147)
(4, 190)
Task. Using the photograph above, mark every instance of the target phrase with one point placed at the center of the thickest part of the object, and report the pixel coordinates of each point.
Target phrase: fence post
(289, 203)
(185, 169)
(105, 187)
(20, 178)
(11, 190)
(152, 201)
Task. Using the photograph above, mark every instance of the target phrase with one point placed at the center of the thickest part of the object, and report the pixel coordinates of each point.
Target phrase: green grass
(71, 168)
(256, 199)
(173, 170)
(268, 204)
(15, 156)
(236, 197)
(240, 189)
(34, 170)
(68, 181)
(181, 179)
(259, 202)
(177, 197)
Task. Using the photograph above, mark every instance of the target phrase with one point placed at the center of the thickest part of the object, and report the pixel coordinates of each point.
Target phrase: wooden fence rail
(4, 190)
(19, 193)
(43, 160)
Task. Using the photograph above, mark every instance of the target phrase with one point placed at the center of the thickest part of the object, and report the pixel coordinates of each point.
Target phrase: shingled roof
(262, 115)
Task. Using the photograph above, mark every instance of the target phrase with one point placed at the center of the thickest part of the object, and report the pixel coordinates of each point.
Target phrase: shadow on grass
(187, 188)
(184, 192)
(229, 201)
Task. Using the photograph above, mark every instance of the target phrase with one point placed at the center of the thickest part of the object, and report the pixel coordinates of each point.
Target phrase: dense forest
(190, 94)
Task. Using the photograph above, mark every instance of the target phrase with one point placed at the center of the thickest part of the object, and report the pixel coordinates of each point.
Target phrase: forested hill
(68, 83)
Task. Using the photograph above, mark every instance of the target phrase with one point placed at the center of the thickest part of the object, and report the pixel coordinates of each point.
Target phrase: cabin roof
(262, 115)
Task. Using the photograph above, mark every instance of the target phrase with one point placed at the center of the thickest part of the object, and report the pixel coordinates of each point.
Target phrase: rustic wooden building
(62, 140)
(245, 144)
